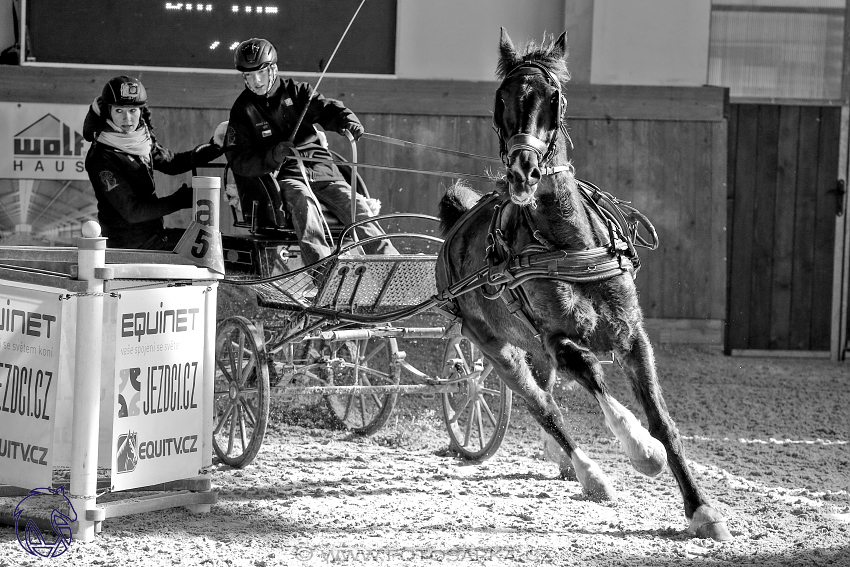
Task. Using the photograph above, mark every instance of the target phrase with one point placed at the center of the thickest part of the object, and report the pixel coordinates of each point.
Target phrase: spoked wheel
(476, 416)
(365, 362)
(241, 398)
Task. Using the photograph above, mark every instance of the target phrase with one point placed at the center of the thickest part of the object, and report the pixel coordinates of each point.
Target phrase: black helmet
(124, 91)
(254, 54)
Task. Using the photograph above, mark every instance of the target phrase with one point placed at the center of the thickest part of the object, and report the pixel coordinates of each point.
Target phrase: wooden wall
(663, 149)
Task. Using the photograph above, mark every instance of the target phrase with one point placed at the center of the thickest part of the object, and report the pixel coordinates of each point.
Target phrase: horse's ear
(506, 48)
(560, 46)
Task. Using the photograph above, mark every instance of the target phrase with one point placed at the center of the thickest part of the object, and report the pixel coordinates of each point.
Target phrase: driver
(262, 120)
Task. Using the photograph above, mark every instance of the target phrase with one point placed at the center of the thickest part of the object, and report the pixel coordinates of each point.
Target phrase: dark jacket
(258, 123)
(128, 209)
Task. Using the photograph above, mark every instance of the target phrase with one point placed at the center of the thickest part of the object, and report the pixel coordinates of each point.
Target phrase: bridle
(524, 141)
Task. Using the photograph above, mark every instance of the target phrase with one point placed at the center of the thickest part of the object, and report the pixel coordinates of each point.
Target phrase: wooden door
(783, 168)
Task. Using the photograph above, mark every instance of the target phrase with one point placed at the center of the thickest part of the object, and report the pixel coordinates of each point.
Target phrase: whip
(322, 75)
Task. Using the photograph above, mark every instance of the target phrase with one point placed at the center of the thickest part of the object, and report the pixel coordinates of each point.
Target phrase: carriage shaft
(389, 389)
(384, 332)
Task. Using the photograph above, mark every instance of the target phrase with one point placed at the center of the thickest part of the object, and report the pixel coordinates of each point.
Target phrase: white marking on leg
(645, 452)
(593, 481)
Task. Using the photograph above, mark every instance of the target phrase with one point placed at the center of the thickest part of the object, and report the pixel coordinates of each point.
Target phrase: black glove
(283, 150)
(355, 128)
(184, 196)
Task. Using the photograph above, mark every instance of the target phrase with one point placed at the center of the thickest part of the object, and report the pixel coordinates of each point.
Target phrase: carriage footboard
(377, 284)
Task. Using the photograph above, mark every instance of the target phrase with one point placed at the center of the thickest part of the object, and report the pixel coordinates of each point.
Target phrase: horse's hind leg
(645, 453)
(511, 365)
(639, 363)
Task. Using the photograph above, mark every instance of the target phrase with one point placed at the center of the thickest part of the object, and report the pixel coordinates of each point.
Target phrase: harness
(506, 270)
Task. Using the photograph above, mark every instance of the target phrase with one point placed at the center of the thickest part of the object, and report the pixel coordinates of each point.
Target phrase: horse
(557, 283)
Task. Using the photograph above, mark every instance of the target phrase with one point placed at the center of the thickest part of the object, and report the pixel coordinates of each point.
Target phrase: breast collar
(509, 268)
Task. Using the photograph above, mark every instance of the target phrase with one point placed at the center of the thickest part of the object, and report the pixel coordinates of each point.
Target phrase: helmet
(124, 91)
(254, 54)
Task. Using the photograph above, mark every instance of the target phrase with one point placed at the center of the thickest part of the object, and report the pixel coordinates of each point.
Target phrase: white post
(22, 34)
(91, 254)
(208, 190)
(208, 389)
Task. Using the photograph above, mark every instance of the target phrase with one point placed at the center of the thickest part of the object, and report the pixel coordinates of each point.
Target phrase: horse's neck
(562, 218)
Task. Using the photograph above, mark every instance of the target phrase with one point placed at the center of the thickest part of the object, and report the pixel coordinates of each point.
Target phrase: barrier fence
(107, 372)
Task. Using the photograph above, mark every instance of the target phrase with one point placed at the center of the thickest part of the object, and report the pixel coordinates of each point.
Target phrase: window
(777, 49)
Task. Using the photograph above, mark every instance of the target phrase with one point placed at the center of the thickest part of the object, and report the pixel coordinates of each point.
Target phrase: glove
(355, 128)
(219, 134)
(184, 197)
(283, 150)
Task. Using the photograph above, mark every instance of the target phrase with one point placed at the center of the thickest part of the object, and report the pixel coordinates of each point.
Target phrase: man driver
(262, 121)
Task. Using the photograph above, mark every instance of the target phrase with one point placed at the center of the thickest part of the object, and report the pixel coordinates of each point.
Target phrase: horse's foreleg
(639, 363)
(541, 403)
(553, 452)
(645, 453)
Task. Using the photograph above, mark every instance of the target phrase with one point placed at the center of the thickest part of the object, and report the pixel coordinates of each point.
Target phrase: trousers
(307, 218)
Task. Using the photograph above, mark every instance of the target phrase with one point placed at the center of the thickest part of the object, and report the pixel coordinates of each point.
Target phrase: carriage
(334, 335)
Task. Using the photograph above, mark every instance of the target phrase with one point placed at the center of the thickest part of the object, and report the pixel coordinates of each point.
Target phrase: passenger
(123, 156)
(262, 120)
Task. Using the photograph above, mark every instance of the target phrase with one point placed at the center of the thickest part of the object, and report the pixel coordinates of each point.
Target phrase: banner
(158, 386)
(30, 323)
(42, 141)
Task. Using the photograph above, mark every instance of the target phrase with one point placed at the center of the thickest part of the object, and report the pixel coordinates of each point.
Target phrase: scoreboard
(203, 34)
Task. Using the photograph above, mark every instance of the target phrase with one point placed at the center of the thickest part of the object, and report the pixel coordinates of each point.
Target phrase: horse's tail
(458, 199)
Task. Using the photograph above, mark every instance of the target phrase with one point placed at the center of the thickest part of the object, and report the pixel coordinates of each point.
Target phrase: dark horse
(559, 286)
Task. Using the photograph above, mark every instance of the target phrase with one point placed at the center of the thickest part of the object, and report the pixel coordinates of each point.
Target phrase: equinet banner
(42, 141)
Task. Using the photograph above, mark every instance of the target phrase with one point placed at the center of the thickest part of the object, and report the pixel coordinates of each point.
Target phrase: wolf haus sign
(42, 141)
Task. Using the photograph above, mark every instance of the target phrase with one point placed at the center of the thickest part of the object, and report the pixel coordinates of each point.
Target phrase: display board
(203, 34)
(157, 409)
(30, 323)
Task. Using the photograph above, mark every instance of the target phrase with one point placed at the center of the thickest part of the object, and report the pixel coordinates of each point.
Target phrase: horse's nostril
(534, 176)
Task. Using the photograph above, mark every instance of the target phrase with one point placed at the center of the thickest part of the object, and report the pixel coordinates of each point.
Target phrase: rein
(392, 168)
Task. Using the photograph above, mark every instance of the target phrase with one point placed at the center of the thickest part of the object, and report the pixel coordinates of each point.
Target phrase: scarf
(137, 143)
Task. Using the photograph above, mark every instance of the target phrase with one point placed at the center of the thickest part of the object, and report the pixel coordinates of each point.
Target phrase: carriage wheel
(241, 398)
(476, 416)
(366, 362)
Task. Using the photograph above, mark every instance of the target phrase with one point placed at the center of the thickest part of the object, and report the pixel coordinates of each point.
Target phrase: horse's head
(529, 114)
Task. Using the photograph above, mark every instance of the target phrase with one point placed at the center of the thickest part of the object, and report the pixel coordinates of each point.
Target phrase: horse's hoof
(649, 467)
(708, 523)
(568, 473)
(602, 492)
(594, 483)
(653, 461)
(650, 458)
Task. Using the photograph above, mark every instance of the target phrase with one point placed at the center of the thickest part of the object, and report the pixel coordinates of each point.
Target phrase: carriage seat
(262, 206)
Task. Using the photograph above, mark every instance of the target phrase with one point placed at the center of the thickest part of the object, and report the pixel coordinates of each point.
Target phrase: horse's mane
(458, 199)
(548, 54)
